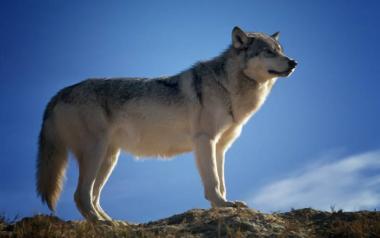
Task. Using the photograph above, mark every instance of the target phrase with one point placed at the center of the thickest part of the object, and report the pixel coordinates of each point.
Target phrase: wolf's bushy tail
(51, 161)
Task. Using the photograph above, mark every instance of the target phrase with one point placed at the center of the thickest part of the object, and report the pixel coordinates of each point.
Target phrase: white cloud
(351, 183)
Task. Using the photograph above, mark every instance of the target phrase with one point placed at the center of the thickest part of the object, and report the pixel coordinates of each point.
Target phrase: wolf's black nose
(292, 63)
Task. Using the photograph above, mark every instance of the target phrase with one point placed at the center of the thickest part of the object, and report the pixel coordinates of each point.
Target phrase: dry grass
(42, 226)
(359, 225)
(333, 224)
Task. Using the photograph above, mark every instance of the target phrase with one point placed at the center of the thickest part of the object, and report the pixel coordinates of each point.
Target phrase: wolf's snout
(292, 63)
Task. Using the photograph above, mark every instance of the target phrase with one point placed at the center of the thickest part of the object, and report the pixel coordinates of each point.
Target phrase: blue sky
(315, 142)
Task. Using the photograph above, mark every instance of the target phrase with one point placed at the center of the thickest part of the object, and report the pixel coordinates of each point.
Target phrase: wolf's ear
(276, 36)
(239, 38)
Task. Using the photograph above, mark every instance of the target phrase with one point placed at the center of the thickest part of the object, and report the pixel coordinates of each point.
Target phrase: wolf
(201, 109)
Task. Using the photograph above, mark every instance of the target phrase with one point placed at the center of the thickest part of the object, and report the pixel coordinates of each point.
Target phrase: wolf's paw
(240, 204)
(236, 204)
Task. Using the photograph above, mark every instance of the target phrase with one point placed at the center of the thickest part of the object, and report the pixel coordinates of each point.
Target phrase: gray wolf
(201, 109)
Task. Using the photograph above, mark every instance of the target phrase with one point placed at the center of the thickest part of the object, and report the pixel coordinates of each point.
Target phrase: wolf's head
(262, 57)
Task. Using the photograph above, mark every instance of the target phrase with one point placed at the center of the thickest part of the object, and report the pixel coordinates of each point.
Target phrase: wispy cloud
(350, 183)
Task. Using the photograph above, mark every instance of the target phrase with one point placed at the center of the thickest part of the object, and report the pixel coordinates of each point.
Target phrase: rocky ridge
(222, 222)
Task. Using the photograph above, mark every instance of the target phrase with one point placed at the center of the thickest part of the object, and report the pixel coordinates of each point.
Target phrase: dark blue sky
(321, 119)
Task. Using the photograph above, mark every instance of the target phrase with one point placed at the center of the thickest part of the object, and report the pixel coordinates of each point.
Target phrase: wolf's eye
(269, 53)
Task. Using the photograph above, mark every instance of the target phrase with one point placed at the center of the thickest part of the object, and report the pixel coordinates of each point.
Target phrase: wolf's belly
(156, 140)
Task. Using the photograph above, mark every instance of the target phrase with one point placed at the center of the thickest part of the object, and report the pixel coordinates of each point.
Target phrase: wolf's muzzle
(292, 64)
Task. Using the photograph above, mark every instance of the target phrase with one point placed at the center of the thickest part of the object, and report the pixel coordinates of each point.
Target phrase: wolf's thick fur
(202, 109)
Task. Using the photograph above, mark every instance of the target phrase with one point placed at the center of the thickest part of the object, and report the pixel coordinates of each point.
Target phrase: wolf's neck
(249, 97)
(248, 103)
(246, 94)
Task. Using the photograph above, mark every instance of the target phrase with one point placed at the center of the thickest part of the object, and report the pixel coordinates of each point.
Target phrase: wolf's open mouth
(283, 73)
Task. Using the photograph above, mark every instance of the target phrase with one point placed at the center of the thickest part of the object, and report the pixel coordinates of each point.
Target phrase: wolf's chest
(247, 105)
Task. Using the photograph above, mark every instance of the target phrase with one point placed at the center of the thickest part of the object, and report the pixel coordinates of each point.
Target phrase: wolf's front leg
(206, 163)
(220, 156)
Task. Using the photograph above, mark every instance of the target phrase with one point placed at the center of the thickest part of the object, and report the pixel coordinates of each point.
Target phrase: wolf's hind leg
(89, 160)
(104, 173)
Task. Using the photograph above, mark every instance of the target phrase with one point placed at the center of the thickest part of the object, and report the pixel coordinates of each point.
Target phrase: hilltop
(223, 222)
